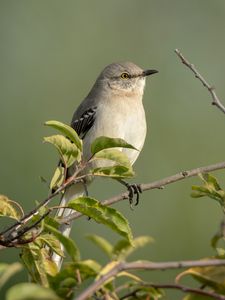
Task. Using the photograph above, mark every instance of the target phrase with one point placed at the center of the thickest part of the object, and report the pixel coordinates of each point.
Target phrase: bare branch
(7, 236)
(154, 185)
(142, 265)
(16, 238)
(215, 100)
(182, 288)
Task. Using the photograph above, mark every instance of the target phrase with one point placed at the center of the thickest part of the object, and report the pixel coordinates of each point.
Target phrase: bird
(112, 108)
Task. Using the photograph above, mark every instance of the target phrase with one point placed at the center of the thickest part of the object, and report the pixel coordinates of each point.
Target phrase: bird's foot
(133, 189)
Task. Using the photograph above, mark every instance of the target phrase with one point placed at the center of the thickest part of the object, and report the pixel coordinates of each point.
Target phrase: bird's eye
(125, 75)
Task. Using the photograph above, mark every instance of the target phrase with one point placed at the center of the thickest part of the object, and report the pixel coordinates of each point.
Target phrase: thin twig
(215, 100)
(14, 239)
(32, 213)
(182, 288)
(154, 185)
(142, 265)
(14, 227)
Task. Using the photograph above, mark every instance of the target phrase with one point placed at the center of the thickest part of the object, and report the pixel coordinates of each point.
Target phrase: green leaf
(102, 243)
(150, 293)
(52, 242)
(28, 259)
(88, 267)
(7, 271)
(10, 208)
(68, 243)
(58, 178)
(30, 291)
(104, 142)
(65, 282)
(220, 252)
(115, 155)
(123, 249)
(113, 172)
(68, 131)
(210, 188)
(67, 150)
(102, 214)
(215, 239)
(210, 180)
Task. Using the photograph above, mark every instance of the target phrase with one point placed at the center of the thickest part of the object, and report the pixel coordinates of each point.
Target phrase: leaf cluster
(38, 237)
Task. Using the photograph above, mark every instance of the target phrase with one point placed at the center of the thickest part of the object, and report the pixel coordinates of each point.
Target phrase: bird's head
(124, 78)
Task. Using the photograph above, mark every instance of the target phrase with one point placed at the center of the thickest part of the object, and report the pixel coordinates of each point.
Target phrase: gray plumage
(112, 108)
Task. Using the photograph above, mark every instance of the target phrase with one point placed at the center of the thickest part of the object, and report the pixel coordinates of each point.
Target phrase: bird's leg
(83, 181)
(133, 189)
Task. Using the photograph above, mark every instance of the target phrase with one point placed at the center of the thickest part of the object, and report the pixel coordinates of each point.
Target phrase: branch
(142, 265)
(32, 213)
(182, 288)
(8, 235)
(215, 100)
(154, 185)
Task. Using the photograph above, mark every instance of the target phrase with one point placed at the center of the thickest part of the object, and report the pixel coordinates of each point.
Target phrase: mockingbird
(113, 108)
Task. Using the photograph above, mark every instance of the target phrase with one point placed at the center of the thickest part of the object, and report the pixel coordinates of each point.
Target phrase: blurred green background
(51, 51)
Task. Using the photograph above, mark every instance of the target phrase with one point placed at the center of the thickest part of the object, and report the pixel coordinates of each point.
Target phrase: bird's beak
(149, 72)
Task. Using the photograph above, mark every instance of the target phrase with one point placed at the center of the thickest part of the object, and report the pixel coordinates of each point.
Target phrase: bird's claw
(134, 189)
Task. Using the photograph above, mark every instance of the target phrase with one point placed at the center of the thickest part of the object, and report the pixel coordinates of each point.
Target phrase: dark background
(51, 51)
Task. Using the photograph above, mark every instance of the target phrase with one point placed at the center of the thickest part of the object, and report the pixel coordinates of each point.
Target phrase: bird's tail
(73, 192)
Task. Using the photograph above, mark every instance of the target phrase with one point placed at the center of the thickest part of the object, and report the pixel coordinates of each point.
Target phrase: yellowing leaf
(212, 276)
(130, 275)
(49, 266)
(32, 257)
(111, 265)
(10, 208)
(113, 172)
(57, 179)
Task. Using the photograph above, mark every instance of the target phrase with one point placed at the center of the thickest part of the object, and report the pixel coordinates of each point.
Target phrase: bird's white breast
(122, 118)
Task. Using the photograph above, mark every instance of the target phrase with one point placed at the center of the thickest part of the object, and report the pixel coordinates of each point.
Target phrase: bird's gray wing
(84, 123)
